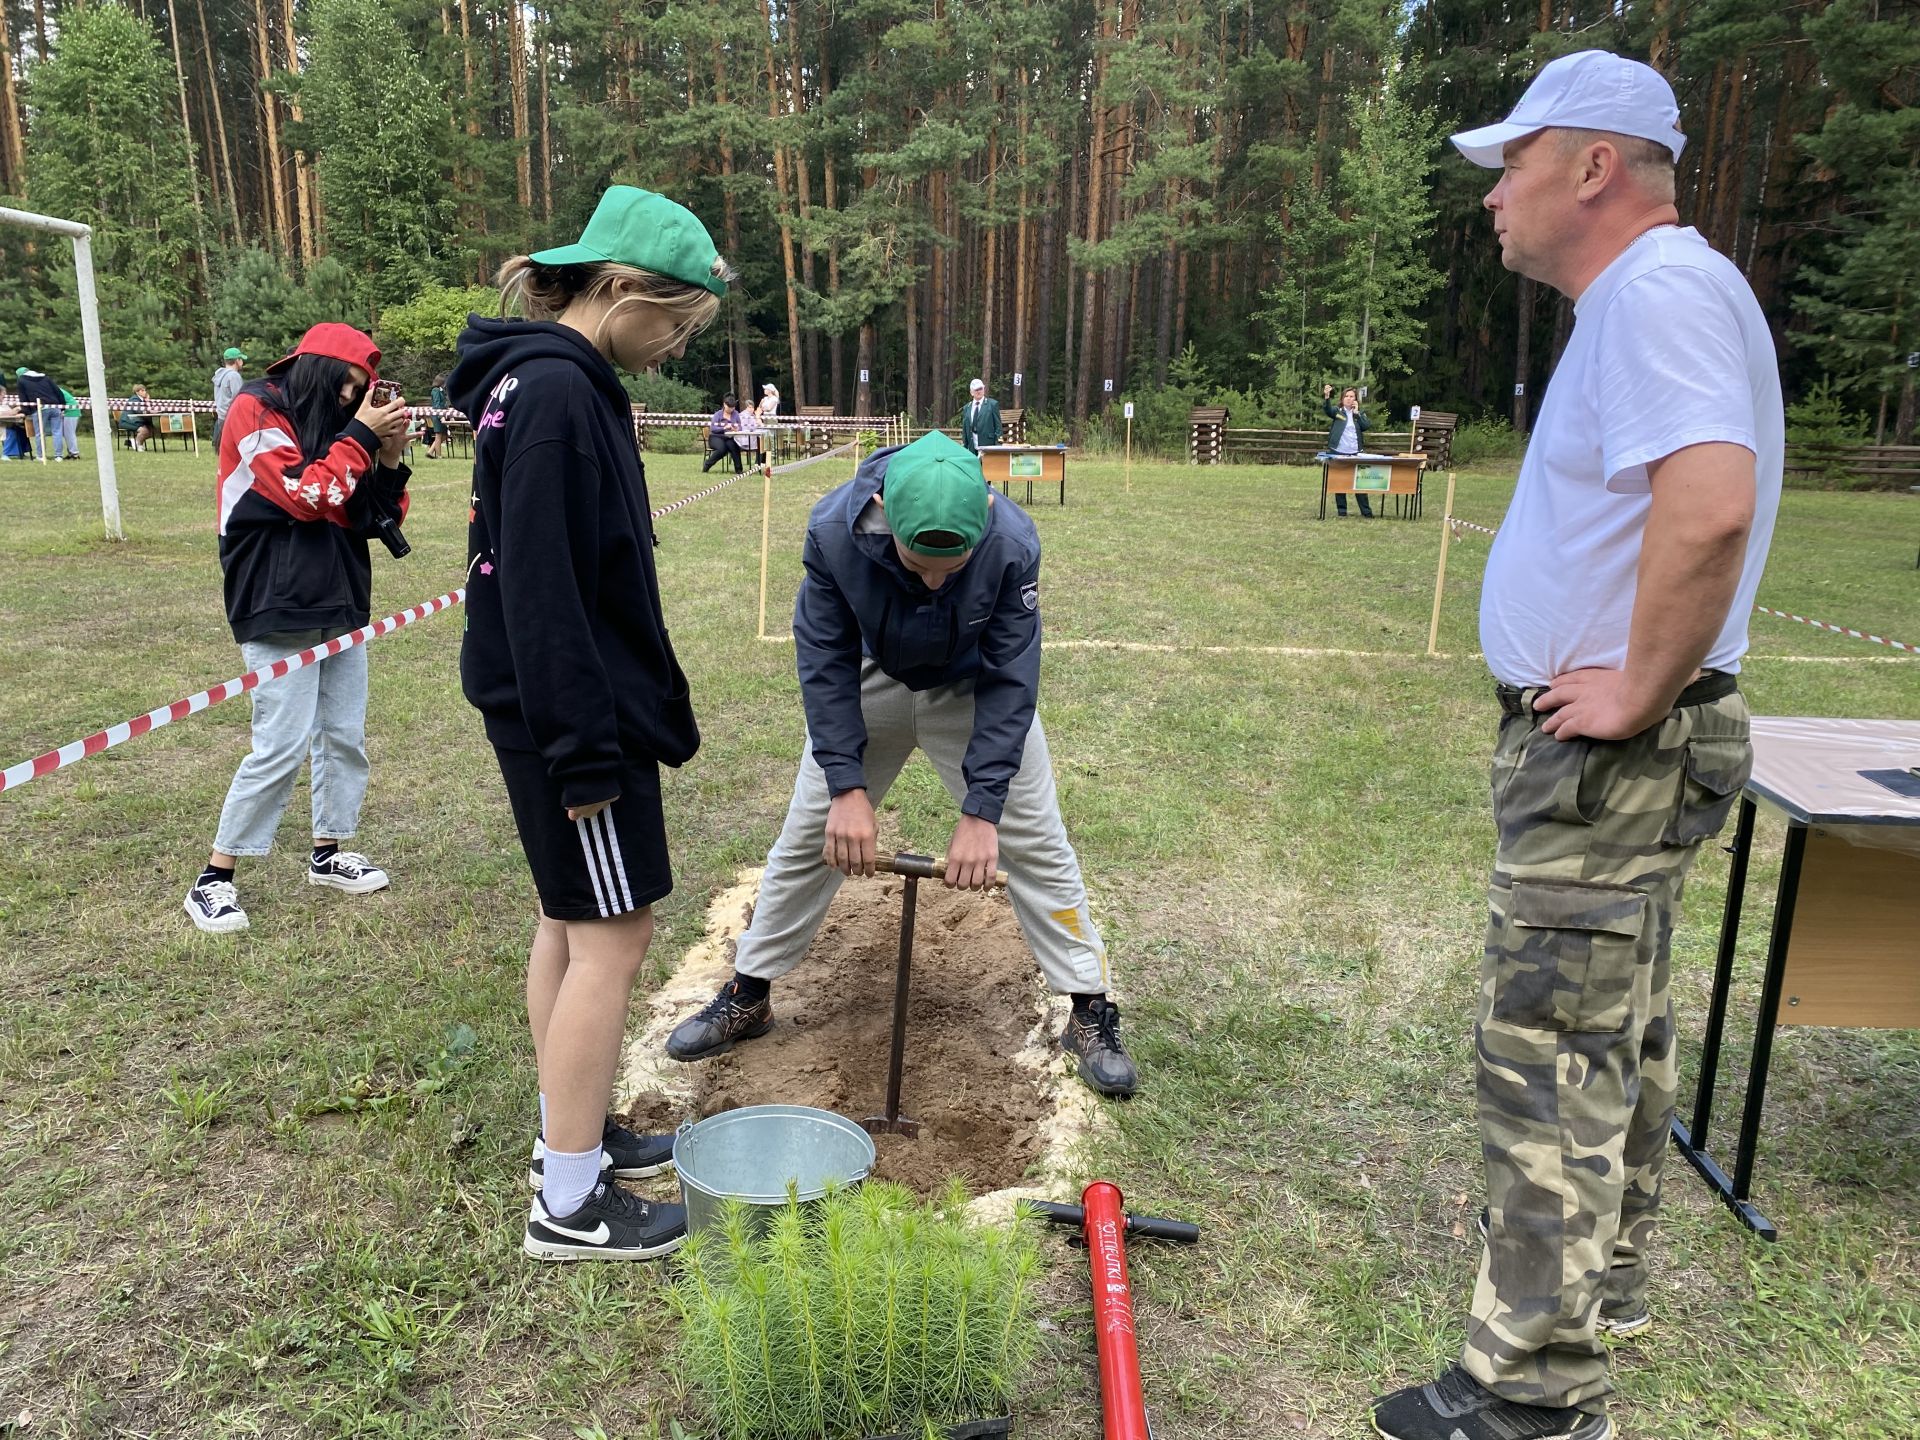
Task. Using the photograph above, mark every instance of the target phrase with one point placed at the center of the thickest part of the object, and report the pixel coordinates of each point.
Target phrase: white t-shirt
(1349, 437)
(1669, 349)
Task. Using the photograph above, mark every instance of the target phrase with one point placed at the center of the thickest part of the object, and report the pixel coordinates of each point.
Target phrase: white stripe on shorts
(593, 865)
(612, 839)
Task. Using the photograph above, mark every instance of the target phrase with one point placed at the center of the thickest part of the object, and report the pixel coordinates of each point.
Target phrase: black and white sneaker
(610, 1225)
(347, 870)
(214, 905)
(1459, 1407)
(623, 1155)
(1092, 1038)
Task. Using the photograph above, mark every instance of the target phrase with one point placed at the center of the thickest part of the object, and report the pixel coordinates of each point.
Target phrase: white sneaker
(215, 907)
(349, 871)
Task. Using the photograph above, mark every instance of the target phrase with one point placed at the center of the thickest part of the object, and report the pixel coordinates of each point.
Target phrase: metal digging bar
(912, 869)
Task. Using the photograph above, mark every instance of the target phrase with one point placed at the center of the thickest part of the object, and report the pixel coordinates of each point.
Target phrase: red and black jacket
(293, 530)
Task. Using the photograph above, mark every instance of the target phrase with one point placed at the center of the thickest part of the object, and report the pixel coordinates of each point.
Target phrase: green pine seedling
(866, 1313)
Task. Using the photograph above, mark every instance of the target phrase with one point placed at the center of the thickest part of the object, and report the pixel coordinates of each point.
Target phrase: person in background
(13, 427)
(1346, 437)
(769, 406)
(310, 469)
(42, 403)
(980, 421)
(1613, 616)
(70, 423)
(566, 657)
(437, 422)
(226, 384)
(133, 419)
(721, 428)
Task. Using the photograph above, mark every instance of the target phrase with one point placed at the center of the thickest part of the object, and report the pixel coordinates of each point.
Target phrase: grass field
(272, 1186)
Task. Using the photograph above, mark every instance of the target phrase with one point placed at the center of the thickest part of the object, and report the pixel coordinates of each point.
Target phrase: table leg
(1323, 489)
(1723, 972)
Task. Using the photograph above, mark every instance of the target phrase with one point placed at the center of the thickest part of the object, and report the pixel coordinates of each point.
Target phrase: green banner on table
(1023, 467)
(1373, 477)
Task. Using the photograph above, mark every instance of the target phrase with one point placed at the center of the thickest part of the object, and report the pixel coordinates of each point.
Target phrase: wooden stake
(1440, 579)
(766, 520)
(1129, 455)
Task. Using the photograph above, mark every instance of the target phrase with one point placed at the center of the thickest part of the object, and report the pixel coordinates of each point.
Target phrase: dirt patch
(994, 1106)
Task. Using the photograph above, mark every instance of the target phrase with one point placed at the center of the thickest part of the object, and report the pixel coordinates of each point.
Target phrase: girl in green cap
(567, 659)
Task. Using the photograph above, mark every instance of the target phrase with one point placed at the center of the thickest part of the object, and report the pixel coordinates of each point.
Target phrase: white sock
(569, 1180)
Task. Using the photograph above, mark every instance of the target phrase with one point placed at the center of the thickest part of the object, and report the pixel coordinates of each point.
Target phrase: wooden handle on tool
(926, 867)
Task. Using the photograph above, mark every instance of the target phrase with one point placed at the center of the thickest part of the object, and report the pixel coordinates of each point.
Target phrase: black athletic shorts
(612, 864)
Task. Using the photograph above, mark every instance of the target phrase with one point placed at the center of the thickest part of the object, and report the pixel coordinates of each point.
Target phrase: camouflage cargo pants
(1575, 1033)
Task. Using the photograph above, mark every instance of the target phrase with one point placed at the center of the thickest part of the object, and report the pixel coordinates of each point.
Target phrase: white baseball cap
(1588, 90)
(976, 385)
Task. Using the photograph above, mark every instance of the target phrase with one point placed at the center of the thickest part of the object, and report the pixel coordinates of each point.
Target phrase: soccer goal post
(82, 237)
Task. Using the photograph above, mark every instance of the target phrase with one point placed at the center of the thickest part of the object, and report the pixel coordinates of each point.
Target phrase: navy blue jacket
(983, 624)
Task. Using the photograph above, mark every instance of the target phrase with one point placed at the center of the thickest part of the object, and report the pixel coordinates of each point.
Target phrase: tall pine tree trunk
(802, 171)
(912, 300)
(1096, 208)
(546, 128)
(1021, 274)
(1049, 253)
(219, 115)
(990, 289)
(783, 192)
(274, 164)
(13, 148)
(303, 184)
(517, 104)
(863, 365)
(193, 162)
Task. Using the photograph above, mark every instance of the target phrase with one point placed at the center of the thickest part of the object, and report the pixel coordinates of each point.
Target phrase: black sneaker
(1092, 1037)
(1459, 1407)
(347, 870)
(623, 1155)
(610, 1225)
(1617, 1325)
(214, 905)
(724, 1020)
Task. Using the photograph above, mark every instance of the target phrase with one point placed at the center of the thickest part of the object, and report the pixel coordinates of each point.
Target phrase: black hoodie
(566, 649)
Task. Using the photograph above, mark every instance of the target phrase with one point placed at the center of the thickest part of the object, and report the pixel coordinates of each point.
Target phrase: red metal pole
(1120, 1397)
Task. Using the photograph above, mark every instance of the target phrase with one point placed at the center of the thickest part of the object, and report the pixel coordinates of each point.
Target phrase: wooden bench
(815, 439)
(1299, 447)
(1207, 426)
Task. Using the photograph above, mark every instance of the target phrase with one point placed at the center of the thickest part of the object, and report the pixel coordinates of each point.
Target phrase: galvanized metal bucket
(752, 1154)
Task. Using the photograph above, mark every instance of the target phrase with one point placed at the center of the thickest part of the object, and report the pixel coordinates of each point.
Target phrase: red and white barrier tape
(1839, 629)
(14, 776)
(1458, 525)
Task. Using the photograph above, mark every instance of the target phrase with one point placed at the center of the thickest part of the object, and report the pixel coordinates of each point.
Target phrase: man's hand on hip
(1598, 705)
(850, 833)
(973, 854)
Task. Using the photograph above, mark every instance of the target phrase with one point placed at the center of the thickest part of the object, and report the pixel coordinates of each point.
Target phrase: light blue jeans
(318, 711)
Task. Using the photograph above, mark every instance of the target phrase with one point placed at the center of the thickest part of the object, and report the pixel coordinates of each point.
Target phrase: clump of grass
(869, 1313)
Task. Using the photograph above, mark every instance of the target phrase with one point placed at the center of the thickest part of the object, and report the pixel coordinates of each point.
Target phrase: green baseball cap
(935, 484)
(233, 352)
(647, 231)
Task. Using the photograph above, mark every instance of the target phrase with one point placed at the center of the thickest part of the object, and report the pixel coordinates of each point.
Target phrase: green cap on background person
(647, 231)
(233, 352)
(935, 487)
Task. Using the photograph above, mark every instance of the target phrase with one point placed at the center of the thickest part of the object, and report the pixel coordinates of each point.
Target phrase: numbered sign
(1913, 359)
(863, 377)
(1519, 390)
(1129, 414)
(1107, 385)
(1363, 392)
(1016, 379)
(1414, 413)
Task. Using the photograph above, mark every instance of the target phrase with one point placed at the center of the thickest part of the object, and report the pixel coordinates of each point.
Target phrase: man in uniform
(980, 421)
(918, 626)
(1614, 617)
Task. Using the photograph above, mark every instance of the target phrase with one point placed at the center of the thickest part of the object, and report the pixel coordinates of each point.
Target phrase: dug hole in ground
(997, 1102)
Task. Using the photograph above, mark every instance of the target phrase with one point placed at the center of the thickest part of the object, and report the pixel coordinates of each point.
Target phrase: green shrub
(868, 1314)
(1480, 442)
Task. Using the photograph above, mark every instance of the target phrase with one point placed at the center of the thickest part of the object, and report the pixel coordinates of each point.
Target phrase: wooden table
(1003, 464)
(1845, 946)
(1395, 475)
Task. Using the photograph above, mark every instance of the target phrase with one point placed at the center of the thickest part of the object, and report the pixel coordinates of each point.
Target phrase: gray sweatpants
(1043, 873)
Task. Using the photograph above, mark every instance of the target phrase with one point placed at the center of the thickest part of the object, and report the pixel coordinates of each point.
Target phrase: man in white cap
(980, 421)
(1613, 616)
